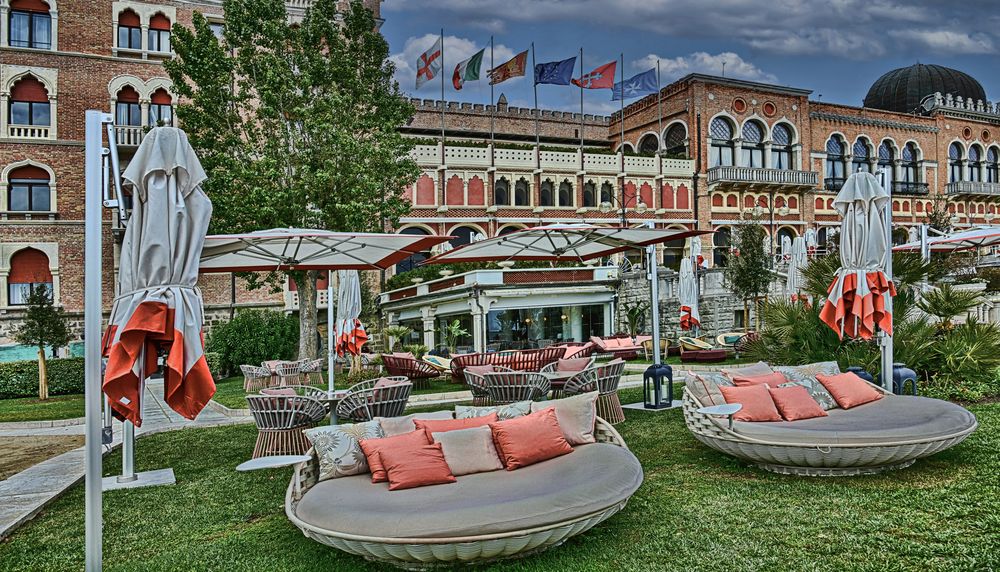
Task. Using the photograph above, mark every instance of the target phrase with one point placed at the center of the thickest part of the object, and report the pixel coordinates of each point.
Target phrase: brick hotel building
(708, 150)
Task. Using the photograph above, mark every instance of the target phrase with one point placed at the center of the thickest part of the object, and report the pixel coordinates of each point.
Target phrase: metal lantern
(658, 386)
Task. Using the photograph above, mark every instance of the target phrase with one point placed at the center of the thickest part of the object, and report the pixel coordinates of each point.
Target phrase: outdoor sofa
(479, 518)
(622, 347)
(516, 360)
(890, 433)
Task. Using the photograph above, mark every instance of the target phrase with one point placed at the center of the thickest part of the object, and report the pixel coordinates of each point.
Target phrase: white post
(331, 353)
(654, 299)
(887, 349)
(92, 335)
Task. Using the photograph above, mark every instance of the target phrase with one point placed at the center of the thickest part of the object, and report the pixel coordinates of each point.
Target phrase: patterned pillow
(338, 449)
(503, 412)
(805, 375)
(705, 387)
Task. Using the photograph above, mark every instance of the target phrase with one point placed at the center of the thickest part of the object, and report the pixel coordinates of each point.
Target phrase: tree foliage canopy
(747, 265)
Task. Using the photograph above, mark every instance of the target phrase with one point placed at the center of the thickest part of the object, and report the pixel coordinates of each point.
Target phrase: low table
(728, 409)
(331, 401)
(558, 379)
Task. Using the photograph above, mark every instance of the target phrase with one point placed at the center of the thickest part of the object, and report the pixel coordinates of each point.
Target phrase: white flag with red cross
(429, 64)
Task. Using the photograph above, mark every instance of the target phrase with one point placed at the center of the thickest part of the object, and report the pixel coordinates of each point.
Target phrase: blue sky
(836, 48)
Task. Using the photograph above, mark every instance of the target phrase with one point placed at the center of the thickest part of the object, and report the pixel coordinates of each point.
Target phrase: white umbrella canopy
(310, 249)
(859, 298)
(786, 246)
(688, 296)
(351, 333)
(159, 305)
(966, 240)
(560, 242)
(796, 263)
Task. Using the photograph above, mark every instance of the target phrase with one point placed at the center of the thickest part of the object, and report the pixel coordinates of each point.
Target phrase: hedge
(20, 378)
(251, 337)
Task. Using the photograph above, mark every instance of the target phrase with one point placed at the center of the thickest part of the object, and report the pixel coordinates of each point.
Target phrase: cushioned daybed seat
(890, 433)
(482, 516)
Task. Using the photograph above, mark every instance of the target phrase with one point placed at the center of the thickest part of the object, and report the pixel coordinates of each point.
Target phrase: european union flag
(636, 86)
(558, 73)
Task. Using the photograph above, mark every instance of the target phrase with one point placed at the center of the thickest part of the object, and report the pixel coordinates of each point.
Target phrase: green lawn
(229, 391)
(697, 510)
(32, 409)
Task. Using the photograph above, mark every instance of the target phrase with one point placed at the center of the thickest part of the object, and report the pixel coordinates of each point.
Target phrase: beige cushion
(503, 412)
(576, 416)
(572, 365)
(705, 387)
(338, 449)
(469, 451)
(752, 370)
(398, 425)
(593, 478)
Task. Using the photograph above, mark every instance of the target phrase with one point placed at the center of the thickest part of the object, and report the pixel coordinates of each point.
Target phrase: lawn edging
(41, 424)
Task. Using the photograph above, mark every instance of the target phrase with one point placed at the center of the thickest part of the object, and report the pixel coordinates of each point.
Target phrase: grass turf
(697, 510)
(32, 409)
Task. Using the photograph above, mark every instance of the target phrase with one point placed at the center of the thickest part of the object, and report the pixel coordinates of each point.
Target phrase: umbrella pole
(331, 359)
(887, 349)
(654, 302)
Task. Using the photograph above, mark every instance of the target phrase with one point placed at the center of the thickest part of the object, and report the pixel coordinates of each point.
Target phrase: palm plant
(451, 333)
(635, 315)
(397, 334)
(946, 302)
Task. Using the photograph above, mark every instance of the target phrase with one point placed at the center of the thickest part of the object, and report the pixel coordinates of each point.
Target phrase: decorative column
(143, 114)
(144, 40)
(767, 159)
(427, 322)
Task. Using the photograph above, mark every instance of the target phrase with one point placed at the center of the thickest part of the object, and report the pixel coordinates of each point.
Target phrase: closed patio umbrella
(158, 304)
(965, 240)
(860, 296)
(688, 295)
(350, 332)
(798, 261)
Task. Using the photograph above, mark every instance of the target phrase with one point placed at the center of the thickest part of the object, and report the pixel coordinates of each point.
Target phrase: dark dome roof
(902, 89)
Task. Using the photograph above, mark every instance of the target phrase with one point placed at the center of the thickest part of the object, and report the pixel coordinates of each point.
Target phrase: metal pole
(581, 99)
(331, 354)
(654, 299)
(442, 95)
(659, 111)
(92, 336)
(493, 102)
(128, 430)
(534, 84)
(887, 349)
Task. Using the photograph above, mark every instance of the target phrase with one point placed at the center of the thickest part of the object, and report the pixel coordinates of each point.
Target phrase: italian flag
(468, 70)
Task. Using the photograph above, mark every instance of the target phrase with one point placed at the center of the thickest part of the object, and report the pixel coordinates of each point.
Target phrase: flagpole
(442, 95)
(659, 109)
(534, 83)
(622, 75)
(493, 103)
(581, 99)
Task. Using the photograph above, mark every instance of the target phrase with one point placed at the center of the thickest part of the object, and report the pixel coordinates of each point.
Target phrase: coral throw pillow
(794, 403)
(849, 390)
(373, 447)
(756, 401)
(530, 439)
(572, 365)
(773, 379)
(444, 425)
(480, 369)
(419, 467)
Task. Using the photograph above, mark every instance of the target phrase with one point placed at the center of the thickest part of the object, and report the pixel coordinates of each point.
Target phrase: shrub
(214, 361)
(20, 378)
(253, 336)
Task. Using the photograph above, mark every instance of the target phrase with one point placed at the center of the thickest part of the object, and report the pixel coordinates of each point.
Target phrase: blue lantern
(658, 386)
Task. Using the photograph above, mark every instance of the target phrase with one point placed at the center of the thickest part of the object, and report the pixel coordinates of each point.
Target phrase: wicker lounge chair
(477, 385)
(365, 402)
(518, 360)
(553, 369)
(459, 524)
(887, 434)
(280, 421)
(619, 347)
(255, 377)
(405, 365)
(288, 373)
(604, 379)
(310, 368)
(503, 387)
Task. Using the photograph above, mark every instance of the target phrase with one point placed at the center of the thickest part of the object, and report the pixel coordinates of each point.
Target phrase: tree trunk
(746, 315)
(43, 380)
(308, 347)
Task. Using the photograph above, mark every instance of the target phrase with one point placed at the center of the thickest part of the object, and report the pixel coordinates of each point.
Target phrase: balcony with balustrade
(910, 188)
(972, 189)
(29, 132)
(129, 135)
(756, 179)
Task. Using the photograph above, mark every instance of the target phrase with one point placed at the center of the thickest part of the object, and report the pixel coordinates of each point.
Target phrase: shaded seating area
(280, 421)
(406, 365)
(382, 397)
(517, 360)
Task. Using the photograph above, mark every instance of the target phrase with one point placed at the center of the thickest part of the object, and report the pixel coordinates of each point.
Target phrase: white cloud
(948, 42)
(456, 49)
(703, 62)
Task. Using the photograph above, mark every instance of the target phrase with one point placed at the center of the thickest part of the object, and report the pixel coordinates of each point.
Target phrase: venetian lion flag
(429, 64)
(514, 67)
(468, 70)
(601, 78)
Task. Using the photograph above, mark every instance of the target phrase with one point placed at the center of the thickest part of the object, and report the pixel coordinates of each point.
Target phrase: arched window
(752, 147)
(522, 196)
(675, 142)
(721, 241)
(127, 107)
(565, 193)
(886, 155)
(416, 259)
(29, 103)
(546, 198)
(836, 163)
(955, 163)
(29, 268)
(783, 234)
(992, 171)
(159, 33)
(721, 153)
(975, 163)
(590, 194)
(501, 192)
(129, 31)
(30, 25)
(507, 230)
(781, 147)
(463, 235)
(862, 156)
(28, 190)
(160, 111)
(649, 144)
(909, 174)
(607, 191)
(673, 252)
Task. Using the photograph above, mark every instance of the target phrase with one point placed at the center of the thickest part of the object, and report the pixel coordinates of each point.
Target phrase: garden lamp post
(624, 202)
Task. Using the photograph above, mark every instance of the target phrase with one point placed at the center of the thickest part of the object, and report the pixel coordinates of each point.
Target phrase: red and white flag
(429, 64)
(602, 77)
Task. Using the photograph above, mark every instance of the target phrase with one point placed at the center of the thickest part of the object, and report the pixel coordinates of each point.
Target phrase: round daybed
(887, 434)
(481, 517)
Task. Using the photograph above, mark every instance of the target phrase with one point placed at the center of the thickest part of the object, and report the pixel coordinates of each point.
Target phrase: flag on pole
(429, 64)
(557, 73)
(636, 86)
(468, 70)
(513, 67)
(601, 78)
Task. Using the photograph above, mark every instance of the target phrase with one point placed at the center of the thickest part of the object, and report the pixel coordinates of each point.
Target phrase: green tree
(44, 325)
(297, 126)
(748, 266)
